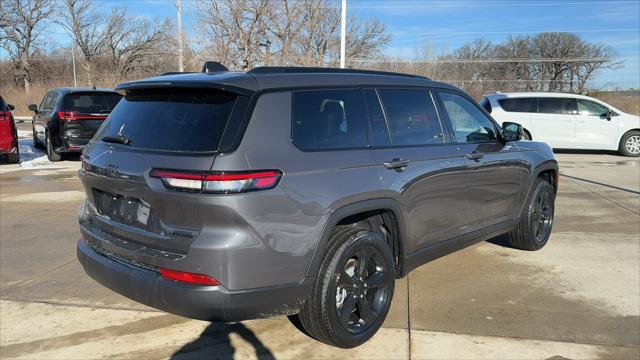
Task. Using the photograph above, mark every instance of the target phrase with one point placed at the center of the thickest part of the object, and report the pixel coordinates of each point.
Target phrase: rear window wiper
(120, 139)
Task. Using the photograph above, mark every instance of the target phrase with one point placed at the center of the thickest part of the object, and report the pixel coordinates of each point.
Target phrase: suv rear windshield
(171, 119)
(91, 102)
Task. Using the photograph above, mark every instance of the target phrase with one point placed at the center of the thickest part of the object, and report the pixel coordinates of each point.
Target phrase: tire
(630, 144)
(536, 222)
(36, 142)
(337, 288)
(14, 158)
(52, 155)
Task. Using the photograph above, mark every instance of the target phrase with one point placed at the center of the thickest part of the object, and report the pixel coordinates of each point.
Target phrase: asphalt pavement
(577, 298)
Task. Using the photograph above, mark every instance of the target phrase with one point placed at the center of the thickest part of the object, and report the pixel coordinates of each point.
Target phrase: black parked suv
(306, 192)
(67, 118)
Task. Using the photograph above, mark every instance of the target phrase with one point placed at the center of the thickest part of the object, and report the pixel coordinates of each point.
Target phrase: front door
(594, 129)
(418, 163)
(494, 170)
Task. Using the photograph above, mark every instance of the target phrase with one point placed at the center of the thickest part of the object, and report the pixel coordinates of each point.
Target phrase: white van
(568, 121)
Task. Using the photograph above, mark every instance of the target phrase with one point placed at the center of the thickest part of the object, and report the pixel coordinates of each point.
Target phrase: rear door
(494, 170)
(554, 122)
(516, 110)
(418, 163)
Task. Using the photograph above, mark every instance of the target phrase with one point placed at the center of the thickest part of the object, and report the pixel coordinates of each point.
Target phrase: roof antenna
(93, 88)
(212, 67)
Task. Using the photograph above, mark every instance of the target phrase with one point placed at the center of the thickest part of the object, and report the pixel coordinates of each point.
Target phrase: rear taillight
(74, 115)
(218, 183)
(5, 116)
(186, 277)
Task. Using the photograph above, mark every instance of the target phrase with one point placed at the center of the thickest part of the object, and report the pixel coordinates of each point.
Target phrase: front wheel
(630, 144)
(352, 294)
(534, 227)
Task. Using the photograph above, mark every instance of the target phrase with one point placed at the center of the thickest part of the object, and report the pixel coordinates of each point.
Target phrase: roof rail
(177, 73)
(213, 66)
(315, 70)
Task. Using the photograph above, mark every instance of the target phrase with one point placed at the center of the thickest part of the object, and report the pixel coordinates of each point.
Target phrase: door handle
(396, 164)
(475, 155)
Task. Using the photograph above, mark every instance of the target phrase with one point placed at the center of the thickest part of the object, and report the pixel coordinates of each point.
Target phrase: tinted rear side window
(171, 119)
(412, 117)
(328, 119)
(557, 105)
(90, 103)
(517, 104)
(486, 105)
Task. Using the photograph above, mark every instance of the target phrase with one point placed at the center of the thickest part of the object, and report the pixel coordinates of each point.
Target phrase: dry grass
(627, 103)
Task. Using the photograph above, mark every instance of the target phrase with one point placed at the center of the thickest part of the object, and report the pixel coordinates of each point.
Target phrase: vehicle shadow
(215, 343)
(501, 240)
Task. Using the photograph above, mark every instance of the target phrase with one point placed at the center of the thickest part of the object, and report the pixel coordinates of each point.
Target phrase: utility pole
(343, 33)
(73, 60)
(180, 38)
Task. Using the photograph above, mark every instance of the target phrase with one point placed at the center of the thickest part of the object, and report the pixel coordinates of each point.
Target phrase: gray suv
(306, 192)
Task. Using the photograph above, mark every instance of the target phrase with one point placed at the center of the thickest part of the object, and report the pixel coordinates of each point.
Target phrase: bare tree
(90, 29)
(21, 24)
(235, 30)
(133, 45)
(247, 33)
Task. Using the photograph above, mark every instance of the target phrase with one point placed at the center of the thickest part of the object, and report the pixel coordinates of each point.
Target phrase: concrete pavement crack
(20, 283)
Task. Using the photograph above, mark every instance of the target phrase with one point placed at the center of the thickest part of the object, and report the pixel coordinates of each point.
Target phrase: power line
(526, 60)
(465, 5)
(495, 32)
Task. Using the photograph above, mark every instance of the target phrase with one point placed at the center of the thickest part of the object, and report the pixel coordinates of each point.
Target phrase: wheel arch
(547, 169)
(370, 213)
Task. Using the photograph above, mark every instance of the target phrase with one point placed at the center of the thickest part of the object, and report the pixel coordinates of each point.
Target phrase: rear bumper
(211, 303)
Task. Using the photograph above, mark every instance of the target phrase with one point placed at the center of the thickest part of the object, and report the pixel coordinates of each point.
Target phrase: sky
(446, 25)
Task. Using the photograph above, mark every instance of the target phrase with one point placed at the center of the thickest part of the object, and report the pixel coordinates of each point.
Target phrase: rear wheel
(52, 155)
(14, 158)
(534, 228)
(352, 294)
(630, 144)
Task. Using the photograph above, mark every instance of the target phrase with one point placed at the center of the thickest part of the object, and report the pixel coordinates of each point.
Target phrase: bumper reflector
(197, 279)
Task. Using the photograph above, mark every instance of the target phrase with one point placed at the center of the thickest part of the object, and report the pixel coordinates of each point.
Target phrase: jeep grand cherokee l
(306, 192)
(67, 118)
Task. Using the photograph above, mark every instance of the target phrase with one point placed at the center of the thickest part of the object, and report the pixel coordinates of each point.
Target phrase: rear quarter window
(190, 120)
(328, 119)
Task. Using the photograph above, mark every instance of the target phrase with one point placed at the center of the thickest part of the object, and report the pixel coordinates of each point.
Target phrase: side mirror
(11, 107)
(511, 131)
(608, 115)
(33, 107)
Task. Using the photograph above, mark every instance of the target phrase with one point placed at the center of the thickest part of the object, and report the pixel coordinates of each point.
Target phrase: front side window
(469, 123)
(517, 104)
(47, 102)
(592, 108)
(550, 105)
(412, 117)
(328, 119)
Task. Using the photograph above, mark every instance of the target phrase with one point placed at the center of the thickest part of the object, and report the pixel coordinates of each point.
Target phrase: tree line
(113, 45)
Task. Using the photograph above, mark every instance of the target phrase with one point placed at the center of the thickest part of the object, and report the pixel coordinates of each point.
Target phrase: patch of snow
(24, 134)
(30, 156)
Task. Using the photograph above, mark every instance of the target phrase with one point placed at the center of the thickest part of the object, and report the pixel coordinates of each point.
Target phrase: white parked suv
(567, 121)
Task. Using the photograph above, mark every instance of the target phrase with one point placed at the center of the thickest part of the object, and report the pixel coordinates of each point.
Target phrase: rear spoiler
(183, 84)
